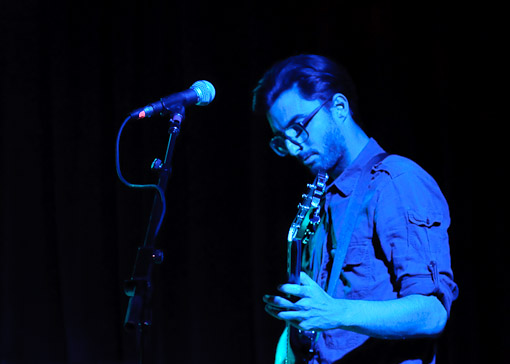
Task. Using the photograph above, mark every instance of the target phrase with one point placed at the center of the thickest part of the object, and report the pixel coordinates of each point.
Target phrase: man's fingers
(293, 316)
(278, 315)
(273, 311)
(299, 290)
(306, 280)
(294, 290)
(278, 302)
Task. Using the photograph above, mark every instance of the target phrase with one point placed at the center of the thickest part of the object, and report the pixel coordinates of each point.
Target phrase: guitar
(301, 231)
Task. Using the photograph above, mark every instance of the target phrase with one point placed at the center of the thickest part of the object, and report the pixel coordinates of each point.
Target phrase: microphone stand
(139, 287)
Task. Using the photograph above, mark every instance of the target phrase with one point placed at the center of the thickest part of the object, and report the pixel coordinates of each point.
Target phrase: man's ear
(340, 106)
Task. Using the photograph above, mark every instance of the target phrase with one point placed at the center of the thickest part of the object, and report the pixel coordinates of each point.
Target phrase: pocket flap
(425, 219)
(355, 255)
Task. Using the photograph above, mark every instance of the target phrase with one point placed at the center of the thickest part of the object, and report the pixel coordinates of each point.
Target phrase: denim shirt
(398, 248)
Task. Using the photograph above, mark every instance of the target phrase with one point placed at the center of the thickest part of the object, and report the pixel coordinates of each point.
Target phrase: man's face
(325, 148)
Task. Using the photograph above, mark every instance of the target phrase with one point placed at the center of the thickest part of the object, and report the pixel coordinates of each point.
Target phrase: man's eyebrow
(293, 120)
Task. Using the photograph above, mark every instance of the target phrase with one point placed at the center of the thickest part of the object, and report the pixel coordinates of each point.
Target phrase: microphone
(201, 93)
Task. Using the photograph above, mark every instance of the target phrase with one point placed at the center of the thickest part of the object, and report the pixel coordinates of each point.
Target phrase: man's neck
(356, 140)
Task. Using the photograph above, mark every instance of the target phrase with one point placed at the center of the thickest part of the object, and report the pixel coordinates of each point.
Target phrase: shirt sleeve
(412, 220)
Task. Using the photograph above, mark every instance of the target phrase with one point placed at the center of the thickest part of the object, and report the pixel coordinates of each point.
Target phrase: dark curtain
(69, 230)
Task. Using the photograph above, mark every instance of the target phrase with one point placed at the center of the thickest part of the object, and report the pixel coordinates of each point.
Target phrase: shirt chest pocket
(355, 267)
(354, 257)
(355, 272)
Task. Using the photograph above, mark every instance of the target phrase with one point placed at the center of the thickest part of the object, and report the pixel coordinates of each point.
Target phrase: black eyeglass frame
(277, 142)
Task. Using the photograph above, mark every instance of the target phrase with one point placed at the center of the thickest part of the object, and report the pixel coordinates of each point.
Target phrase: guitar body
(301, 231)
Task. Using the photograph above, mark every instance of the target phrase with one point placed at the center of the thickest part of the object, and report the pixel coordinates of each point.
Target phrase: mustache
(302, 156)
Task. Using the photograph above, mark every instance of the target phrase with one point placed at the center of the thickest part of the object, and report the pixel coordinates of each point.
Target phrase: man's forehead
(289, 107)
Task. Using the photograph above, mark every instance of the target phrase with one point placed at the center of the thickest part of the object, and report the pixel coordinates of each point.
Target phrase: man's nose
(293, 148)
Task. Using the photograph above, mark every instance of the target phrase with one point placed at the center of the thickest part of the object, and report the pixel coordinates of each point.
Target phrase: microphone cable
(158, 189)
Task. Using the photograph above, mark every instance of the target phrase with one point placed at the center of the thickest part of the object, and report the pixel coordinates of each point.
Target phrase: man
(394, 291)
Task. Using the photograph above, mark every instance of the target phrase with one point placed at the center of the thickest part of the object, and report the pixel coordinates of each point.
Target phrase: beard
(333, 156)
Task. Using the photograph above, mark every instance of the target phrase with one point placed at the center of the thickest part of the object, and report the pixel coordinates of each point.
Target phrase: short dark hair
(316, 77)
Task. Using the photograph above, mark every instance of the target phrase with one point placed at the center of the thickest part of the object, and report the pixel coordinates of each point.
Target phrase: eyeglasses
(295, 133)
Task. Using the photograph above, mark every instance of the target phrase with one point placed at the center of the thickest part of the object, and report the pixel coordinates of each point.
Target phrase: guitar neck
(294, 264)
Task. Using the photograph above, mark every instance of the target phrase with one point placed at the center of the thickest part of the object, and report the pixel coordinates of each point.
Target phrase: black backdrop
(71, 71)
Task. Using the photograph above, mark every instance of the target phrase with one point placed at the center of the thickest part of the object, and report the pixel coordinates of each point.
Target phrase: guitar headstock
(308, 218)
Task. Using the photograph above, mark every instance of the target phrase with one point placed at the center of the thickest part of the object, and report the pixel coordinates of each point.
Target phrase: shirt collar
(346, 182)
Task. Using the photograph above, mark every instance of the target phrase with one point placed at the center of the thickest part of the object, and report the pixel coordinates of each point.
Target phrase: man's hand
(315, 309)
(406, 317)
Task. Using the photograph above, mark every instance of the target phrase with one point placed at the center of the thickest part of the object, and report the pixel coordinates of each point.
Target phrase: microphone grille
(205, 92)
